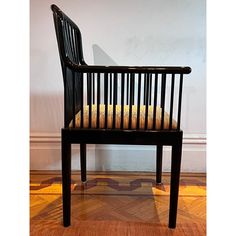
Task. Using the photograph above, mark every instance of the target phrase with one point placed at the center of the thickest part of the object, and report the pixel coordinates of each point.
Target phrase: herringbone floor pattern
(117, 204)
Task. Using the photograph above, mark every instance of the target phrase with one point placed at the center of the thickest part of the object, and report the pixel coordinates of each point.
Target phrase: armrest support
(128, 69)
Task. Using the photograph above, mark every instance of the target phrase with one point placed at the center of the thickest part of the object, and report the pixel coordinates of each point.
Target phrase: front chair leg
(66, 182)
(83, 162)
(174, 188)
(159, 151)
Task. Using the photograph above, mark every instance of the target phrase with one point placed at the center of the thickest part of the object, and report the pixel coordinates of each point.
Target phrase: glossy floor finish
(117, 204)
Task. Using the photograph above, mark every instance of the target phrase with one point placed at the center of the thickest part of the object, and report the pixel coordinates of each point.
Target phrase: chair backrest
(70, 48)
(68, 37)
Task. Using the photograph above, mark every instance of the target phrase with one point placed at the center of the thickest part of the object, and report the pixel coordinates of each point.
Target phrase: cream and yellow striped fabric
(126, 117)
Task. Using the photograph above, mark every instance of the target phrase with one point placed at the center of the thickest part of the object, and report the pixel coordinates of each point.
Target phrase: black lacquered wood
(66, 181)
(88, 88)
(115, 89)
(83, 162)
(163, 95)
(139, 98)
(180, 101)
(89, 97)
(75, 34)
(122, 99)
(133, 88)
(82, 102)
(159, 154)
(71, 36)
(93, 88)
(146, 100)
(73, 96)
(127, 89)
(69, 43)
(131, 97)
(98, 100)
(155, 101)
(175, 177)
(150, 90)
(60, 20)
(106, 97)
(114, 101)
(172, 100)
(128, 69)
(65, 104)
(145, 89)
(110, 86)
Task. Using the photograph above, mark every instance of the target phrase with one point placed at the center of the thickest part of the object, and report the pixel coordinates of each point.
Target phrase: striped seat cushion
(126, 117)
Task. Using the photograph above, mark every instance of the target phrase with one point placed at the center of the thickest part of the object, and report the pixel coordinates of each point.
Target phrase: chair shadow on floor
(109, 204)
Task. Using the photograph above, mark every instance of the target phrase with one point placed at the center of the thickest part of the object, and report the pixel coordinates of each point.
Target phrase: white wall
(134, 32)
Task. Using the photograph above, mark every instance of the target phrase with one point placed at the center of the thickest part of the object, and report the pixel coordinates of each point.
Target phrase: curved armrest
(128, 69)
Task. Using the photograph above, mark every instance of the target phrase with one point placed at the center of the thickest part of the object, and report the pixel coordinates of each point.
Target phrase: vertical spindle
(180, 101)
(93, 87)
(122, 100)
(163, 94)
(98, 99)
(73, 44)
(127, 89)
(82, 101)
(110, 90)
(114, 100)
(106, 97)
(171, 100)
(67, 37)
(73, 97)
(89, 98)
(155, 101)
(139, 98)
(75, 39)
(150, 90)
(146, 101)
(88, 88)
(145, 89)
(131, 97)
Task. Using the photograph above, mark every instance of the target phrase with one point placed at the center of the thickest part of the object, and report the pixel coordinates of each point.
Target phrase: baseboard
(123, 173)
(45, 154)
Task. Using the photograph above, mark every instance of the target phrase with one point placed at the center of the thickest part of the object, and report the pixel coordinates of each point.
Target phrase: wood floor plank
(117, 205)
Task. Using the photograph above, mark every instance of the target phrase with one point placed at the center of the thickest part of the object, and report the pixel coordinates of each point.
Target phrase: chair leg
(159, 151)
(66, 182)
(174, 188)
(83, 162)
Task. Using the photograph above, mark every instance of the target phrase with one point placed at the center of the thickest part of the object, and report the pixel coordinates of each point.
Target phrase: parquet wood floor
(117, 204)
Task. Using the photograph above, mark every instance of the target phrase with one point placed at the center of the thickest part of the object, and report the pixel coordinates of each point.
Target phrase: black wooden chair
(117, 105)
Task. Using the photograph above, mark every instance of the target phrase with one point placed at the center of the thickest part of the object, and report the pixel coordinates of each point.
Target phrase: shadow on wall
(102, 58)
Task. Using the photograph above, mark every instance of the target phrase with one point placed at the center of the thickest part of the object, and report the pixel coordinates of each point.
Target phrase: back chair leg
(66, 182)
(174, 188)
(159, 151)
(83, 162)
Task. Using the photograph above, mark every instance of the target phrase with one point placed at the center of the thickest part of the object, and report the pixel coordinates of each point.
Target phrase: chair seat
(126, 117)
